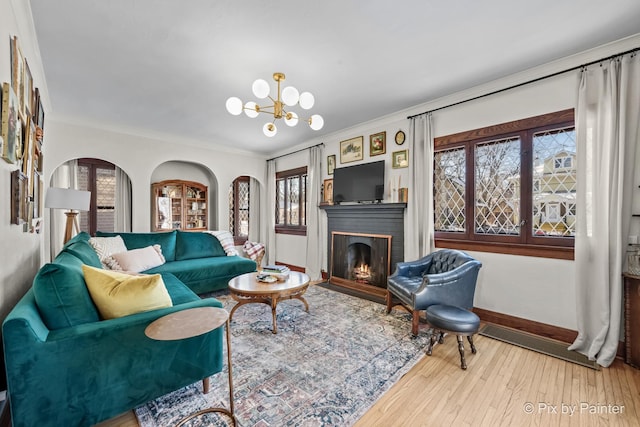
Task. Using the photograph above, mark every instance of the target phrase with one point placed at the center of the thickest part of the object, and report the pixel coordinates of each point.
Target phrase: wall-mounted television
(359, 183)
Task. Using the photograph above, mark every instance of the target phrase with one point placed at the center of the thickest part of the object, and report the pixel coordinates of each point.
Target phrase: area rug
(536, 343)
(323, 368)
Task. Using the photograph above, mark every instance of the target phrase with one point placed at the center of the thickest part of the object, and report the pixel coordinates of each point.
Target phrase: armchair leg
(463, 362)
(473, 347)
(389, 302)
(432, 341)
(415, 321)
(205, 385)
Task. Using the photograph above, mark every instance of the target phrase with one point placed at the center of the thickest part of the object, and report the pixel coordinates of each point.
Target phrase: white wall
(20, 252)
(139, 156)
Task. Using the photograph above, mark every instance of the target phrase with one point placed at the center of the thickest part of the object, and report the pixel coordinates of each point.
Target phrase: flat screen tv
(359, 183)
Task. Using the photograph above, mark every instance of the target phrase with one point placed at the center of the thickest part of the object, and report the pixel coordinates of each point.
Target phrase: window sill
(555, 252)
(294, 231)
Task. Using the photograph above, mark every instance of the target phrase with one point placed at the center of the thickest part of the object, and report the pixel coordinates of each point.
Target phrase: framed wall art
(17, 74)
(400, 159)
(11, 125)
(378, 144)
(331, 164)
(18, 197)
(351, 150)
(327, 191)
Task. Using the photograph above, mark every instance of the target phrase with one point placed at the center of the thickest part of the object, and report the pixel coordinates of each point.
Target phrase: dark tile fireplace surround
(371, 234)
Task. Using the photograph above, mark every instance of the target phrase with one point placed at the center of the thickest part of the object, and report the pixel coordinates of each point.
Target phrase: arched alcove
(190, 171)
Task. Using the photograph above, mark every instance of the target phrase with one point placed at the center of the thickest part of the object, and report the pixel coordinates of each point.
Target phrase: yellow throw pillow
(117, 294)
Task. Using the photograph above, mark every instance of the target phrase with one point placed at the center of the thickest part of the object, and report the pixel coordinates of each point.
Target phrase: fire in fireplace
(360, 261)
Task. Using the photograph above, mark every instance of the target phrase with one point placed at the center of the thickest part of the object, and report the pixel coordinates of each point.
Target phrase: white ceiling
(168, 66)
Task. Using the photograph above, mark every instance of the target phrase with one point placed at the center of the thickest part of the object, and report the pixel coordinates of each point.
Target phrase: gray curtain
(419, 224)
(270, 241)
(254, 210)
(123, 201)
(314, 229)
(607, 134)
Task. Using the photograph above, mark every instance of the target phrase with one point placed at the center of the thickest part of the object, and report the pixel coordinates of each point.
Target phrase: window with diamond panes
(239, 209)
(291, 201)
(554, 198)
(449, 190)
(515, 180)
(98, 177)
(497, 180)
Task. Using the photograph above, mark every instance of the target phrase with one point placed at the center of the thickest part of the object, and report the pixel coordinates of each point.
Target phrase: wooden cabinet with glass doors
(179, 205)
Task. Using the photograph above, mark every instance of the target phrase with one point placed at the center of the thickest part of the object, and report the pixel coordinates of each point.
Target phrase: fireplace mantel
(370, 218)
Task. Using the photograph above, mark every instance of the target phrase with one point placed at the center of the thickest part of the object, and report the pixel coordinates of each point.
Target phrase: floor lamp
(73, 200)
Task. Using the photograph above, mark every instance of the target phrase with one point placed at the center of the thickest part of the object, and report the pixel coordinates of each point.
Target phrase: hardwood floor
(504, 385)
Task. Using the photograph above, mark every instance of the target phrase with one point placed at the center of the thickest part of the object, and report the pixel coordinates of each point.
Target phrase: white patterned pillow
(136, 260)
(226, 240)
(106, 246)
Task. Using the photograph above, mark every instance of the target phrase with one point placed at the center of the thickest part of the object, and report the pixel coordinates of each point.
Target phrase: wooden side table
(191, 323)
(632, 319)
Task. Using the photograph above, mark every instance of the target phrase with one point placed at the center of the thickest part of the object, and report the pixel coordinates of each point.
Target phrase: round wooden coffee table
(247, 289)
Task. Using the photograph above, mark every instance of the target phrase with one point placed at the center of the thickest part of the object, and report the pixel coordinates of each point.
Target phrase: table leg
(274, 304)
(228, 413)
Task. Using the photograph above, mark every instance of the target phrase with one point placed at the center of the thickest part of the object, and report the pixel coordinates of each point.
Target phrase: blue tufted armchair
(445, 277)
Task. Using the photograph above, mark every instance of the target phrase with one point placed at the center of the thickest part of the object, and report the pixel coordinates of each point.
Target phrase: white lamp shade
(291, 121)
(269, 129)
(250, 109)
(260, 89)
(234, 106)
(290, 96)
(307, 100)
(316, 122)
(66, 198)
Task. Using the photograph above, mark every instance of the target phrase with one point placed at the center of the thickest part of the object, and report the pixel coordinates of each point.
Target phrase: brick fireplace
(365, 242)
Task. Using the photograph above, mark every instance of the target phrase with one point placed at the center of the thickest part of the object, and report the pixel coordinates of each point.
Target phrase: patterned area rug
(323, 368)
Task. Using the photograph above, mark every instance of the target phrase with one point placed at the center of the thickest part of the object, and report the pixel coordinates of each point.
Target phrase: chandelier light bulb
(307, 100)
(234, 106)
(316, 122)
(250, 109)
(290, 96)
(269, 129)
(260, 89)
(291, 119)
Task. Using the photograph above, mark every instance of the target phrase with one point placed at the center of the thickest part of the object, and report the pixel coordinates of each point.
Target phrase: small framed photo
(327, 191)
(378, 144)
(400, 159)
(11, 125)
(351, 150)
(331, 164)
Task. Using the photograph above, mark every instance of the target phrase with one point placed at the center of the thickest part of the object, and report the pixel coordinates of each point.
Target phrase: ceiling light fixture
(289, 97)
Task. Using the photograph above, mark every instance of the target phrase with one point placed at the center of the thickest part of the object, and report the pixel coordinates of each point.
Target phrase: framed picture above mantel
(351, 150)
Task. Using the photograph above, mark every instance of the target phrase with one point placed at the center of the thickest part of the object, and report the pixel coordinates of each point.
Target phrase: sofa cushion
(136, 260)
(119, 294)
(167, 241)
(84, 252)
(190, 245)
(178, 291)
(207, 274)
(106, 246)
(61, 294)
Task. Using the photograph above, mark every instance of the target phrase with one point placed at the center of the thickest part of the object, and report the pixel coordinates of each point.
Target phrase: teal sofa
(66, 366)
(197, 259)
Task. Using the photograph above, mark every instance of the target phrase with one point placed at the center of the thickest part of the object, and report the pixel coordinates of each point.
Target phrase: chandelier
(289, 97)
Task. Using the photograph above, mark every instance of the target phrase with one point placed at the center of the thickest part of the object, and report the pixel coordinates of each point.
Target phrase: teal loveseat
(67, 367)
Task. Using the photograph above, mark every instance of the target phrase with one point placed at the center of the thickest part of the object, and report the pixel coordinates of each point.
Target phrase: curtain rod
(527, 82)
(294, 152)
